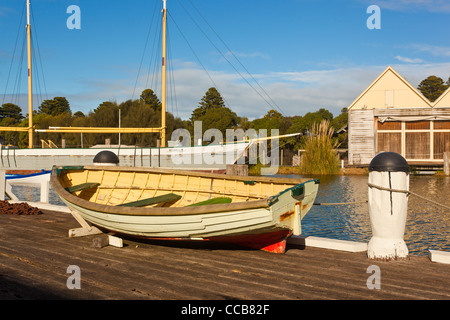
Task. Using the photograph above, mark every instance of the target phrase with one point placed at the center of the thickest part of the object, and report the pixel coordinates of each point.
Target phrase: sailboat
(38, 159)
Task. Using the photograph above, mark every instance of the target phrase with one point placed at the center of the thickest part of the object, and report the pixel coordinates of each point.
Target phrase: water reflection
(427, 226)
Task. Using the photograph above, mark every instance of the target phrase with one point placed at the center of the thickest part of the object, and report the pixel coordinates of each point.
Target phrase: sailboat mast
(163, 93)
(30, 81)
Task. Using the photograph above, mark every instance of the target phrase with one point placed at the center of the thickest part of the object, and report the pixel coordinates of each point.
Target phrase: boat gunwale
(167, 211)
(267, 179)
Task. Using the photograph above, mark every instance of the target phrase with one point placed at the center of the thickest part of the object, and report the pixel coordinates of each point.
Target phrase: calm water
(427, 226)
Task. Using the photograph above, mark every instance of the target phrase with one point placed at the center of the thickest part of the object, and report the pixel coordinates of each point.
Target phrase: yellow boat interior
(141, 187)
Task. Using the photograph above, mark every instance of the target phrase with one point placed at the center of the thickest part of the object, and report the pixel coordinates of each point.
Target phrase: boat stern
(290, 206)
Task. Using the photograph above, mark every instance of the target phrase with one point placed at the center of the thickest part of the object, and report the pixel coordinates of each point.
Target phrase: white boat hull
(212, 157)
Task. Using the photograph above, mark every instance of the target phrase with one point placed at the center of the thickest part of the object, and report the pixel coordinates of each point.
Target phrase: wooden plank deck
(35, 253)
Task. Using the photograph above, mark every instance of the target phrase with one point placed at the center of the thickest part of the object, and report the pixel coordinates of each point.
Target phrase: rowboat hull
(263, 223)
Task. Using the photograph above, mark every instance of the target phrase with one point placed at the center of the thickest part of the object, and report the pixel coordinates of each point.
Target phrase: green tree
(10, 137)
(134, 114)
(341, 120)
(10, 110)
(212, 99)
(138, 114)
(312, 118)
(105, 115)
(271, 120)
(150, 98)
(79, 114)
(213, 114)
(339, 123)
(219, 118)
(55, 106)
(432, 87)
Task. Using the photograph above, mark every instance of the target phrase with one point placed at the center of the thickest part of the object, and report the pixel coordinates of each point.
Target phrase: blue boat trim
(21, 176)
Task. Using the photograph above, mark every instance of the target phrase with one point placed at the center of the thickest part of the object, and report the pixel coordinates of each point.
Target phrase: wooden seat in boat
(169, 198)
(83, 186)
(211, 201)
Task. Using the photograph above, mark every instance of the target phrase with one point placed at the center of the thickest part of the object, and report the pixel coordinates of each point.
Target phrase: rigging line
(196, 56)
(157, 48)
(143, 54)
(39, 95)
(14, 53)
(212, 43)
(173, 95)
(271, 149)
(157, 45)
(232, 53)
(35, 39)
(16, 89)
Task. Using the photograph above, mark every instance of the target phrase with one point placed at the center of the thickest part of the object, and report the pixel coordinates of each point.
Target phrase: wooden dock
(36, 252)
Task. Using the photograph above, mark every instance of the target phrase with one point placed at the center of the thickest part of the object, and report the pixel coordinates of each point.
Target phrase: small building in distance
(392, 115)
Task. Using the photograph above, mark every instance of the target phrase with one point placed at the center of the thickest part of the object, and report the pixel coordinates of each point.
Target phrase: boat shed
(392, 115)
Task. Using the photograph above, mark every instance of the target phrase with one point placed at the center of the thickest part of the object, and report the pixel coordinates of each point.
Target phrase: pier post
(45, 191)
(388, 171)
(447, 163)
(2, 184)
(237, 169)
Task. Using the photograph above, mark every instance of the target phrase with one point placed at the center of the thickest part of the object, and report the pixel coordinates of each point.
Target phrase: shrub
(320, 157)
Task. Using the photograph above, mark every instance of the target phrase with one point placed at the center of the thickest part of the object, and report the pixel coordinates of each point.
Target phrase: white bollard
(388, 209)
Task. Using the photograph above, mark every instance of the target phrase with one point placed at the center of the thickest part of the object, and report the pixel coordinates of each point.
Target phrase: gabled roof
(443, 100)
(406, 96)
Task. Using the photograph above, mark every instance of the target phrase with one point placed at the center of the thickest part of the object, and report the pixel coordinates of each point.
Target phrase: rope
(409, 192)
(385, 189)
(339, 203)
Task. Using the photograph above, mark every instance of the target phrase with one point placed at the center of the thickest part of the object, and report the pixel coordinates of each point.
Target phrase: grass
(320, 157)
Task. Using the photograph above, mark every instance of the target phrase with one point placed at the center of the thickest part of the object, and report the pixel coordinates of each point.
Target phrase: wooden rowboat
(257, 212)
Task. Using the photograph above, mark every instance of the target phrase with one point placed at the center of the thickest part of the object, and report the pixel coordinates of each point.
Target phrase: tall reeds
(320, 157)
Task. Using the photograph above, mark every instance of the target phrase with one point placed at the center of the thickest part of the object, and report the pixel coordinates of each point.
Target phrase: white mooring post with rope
(388, 205)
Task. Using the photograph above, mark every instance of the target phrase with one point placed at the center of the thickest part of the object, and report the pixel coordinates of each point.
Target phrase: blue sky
(305, 54)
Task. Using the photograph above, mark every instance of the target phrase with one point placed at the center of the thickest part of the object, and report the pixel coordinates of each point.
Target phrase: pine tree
(55, 106)
(432, 87)
(211, 100)
(149, 97)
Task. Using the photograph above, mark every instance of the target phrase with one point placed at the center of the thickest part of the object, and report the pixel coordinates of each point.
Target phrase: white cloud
(252, 55)
(409, 60)
(437, 51)
(412, 5)
(295, 93)
(416, 73)
(4, 11)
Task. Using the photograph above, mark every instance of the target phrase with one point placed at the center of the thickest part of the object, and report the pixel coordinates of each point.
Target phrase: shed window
(417, 145)
(442, 125)
(389, 142)
(417, 125)
(390, 125)
(441, 144)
